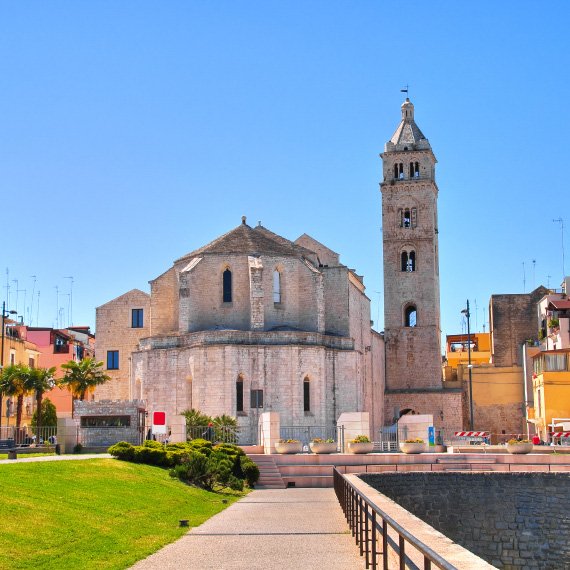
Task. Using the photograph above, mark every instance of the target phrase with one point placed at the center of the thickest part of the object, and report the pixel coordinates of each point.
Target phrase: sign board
(158, 423)
(431, 436)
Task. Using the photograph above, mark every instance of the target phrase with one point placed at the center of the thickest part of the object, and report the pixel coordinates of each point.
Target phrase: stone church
(253, 322)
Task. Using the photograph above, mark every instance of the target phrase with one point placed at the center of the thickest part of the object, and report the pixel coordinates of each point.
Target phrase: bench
(7, 444)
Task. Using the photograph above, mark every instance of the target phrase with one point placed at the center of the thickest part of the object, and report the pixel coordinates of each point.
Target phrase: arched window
(408, 261)
(276, 287)
(306, 394)
(410, 316)
(227, 286)
(407, 218)
(239, 393)
(399, 170)
(414, 169)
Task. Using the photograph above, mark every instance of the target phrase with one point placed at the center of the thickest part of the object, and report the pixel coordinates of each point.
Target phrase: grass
(97, 514)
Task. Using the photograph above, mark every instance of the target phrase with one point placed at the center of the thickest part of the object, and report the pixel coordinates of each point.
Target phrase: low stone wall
(511, 520)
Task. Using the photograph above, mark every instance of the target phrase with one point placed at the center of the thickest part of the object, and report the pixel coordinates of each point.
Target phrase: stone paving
(301, 529)
(23, 459)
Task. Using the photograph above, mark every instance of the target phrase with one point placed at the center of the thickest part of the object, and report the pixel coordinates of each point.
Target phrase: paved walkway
(300, 529)
(23, 459)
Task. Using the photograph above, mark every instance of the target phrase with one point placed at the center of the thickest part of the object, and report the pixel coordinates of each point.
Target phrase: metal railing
(370, 527)
(240, 435)
(306, 434)
(28, 436)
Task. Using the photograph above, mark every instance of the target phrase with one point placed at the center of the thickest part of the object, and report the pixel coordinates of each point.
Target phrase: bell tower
(412, 329)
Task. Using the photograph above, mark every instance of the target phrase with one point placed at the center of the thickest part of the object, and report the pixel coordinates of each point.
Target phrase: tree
(82, 376)
(40, 380)
(48, 416)
(13, 383)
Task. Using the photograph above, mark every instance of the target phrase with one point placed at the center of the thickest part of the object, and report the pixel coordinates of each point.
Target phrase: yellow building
(18, 351)
(498, 391)
(457, 350)
(551, 387)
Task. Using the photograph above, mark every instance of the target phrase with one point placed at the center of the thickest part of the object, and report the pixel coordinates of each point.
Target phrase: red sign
(159, 418)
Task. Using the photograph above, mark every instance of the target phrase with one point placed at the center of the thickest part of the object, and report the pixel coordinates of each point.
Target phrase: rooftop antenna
(16, 282)
(7, 287)
(533, 273)
(561, 222)
(524, 279)
(38, 311)
(56, 307)
(32, 301)
(70, 312)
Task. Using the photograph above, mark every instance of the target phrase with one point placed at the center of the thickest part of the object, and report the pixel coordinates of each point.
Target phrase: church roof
(407, 132)
(252, 241)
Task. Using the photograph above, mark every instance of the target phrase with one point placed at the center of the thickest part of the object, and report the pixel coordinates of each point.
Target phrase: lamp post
(5, 313)
(469, 366)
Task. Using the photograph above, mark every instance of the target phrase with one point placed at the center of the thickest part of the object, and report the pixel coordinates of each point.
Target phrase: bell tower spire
(412, 328)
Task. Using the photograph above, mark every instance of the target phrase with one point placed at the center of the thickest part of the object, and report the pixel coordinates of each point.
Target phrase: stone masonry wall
(444, 405)
(511, 520)
(513, 320)
(115, 332)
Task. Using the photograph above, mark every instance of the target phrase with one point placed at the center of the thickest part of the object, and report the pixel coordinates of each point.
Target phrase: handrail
(367, 520)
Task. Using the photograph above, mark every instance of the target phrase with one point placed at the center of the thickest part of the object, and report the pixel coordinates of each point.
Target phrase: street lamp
(469, 367)
(5, 313)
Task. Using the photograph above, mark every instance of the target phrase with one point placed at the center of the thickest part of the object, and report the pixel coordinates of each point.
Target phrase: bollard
(12, 454)
(183, 522)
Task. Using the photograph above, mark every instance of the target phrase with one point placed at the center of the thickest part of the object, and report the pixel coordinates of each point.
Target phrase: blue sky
(134, 132)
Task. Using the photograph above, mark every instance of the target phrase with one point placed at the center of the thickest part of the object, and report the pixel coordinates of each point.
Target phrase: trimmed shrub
(250, 470)
(122, 450)
(153, 444)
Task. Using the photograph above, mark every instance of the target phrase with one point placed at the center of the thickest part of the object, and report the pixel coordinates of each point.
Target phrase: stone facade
(411, 278)
(511, 520)
(513, 319)
(104, 423)
(251, 312)
(115, 332)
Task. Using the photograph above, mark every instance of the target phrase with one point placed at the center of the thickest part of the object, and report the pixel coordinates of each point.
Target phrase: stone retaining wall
(511, 520)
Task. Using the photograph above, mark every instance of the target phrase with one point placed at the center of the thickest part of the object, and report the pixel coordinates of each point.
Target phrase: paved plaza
(301, 529)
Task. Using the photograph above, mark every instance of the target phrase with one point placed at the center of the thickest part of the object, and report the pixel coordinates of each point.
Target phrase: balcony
(61, 348)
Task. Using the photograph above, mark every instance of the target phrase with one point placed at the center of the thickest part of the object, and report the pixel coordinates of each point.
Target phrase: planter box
(360, 447)
(412, 447)
(296, 447)
(323, 447)
(518, 448)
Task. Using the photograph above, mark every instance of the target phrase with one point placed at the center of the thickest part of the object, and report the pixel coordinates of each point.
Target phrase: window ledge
(241, 414)
(279, 305)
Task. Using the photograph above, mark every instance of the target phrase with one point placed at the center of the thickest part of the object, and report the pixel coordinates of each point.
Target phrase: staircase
(269, 476)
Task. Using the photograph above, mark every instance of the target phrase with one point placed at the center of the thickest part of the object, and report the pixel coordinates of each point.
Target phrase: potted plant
(519, 446)
(416, 445)
(319, 445)
(360, 444)
(288, 446)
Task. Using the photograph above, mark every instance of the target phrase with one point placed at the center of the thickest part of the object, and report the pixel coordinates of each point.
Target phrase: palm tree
(82, 376)
(40, 380)
(13, 383)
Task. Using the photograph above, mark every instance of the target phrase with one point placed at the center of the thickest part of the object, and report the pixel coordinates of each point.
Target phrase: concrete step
(269, 475)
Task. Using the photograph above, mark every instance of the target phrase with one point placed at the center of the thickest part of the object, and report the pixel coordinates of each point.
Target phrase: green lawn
(98, 513)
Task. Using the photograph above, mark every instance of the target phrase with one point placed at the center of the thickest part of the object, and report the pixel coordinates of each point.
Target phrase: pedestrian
(209, 433)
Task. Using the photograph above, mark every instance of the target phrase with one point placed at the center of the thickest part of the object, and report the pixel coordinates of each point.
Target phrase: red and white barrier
(472, 433)
(560, 434)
